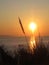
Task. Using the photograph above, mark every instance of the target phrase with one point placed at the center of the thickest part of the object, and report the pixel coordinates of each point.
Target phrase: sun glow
(32, 26)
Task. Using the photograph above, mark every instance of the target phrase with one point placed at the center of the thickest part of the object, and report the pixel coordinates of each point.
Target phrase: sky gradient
(27, 10)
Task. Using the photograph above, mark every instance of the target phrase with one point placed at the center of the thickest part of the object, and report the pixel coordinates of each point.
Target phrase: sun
(32, 26)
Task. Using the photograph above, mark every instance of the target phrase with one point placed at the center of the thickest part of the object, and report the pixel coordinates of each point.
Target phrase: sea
(12, 43)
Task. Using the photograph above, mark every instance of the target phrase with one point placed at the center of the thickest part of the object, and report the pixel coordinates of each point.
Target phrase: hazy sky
(27, 10)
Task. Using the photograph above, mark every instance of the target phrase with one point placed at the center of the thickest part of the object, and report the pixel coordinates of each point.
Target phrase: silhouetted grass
(40, 56)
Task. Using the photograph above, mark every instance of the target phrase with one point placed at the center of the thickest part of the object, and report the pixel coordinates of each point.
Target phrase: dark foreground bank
(25, 57)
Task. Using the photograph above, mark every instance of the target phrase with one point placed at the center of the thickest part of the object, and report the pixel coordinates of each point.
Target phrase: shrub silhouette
(40, 56)
(6, 58)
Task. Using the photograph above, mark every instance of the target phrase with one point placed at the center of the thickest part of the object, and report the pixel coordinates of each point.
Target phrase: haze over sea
(11, 43)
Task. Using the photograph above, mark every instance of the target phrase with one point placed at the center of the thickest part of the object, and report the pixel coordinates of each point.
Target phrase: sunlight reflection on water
(32, 43)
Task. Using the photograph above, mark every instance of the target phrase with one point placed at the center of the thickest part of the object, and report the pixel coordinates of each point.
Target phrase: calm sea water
(12, 43)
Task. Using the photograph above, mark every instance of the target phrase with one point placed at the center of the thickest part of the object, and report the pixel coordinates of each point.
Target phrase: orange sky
(28, 11)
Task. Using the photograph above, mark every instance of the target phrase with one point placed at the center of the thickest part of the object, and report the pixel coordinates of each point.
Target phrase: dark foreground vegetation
(25, 57)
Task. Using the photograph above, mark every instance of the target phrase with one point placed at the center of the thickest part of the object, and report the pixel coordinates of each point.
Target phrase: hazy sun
(32, 26)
